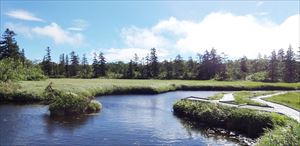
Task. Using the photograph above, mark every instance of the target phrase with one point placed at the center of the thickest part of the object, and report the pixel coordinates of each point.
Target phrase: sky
(121, 28)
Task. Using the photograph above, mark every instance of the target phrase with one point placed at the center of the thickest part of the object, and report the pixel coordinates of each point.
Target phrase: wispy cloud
(60, 36)
(52, 31)
(78, 25)
(23, 15)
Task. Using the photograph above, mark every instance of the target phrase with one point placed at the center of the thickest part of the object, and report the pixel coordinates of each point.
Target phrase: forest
(280, 66)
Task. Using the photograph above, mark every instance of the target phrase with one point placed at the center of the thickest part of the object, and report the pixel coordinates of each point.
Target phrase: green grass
(217, 96)
(93, 87)
(244, 97)
(288, 135)
(291, 99)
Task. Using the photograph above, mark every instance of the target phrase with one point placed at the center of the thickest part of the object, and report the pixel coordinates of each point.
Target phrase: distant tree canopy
(281, 66)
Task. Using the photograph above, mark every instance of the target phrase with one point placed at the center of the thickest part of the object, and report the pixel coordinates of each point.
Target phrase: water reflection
(66, 123)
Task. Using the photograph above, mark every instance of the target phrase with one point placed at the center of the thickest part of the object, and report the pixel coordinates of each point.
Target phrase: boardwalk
(279, 108)
(273, 106)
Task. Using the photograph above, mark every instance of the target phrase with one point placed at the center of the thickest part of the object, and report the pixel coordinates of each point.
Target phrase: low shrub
(288, 135)
(258, 77)
(94, 106)
(247, 121)
(68, 103)
(13, 70)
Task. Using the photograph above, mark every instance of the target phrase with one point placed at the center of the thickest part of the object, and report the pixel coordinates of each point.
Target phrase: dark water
(124, 120)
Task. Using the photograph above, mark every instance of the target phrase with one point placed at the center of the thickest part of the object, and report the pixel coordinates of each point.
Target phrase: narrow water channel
(124, 120)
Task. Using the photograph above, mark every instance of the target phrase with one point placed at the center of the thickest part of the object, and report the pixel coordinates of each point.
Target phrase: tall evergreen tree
(273, 67)
(178, 67)
(169, 69)
(281, 64)
(290, 70)
(102, 64)
(85, 68)
(95, 65)
(130, 71)
(74, 66)
(8, 46)
(47, 65)
(244, 67)
(67, 66)
(136, 62)
(22, 56)
(154, 63)
(61, 65)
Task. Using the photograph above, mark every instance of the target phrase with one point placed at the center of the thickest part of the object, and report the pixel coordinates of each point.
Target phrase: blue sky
(122, 28)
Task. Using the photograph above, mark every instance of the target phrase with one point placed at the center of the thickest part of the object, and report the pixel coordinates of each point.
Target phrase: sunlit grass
(97, 87)
(291, 99)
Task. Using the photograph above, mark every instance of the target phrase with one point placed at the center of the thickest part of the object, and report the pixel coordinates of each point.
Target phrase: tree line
(278, 66)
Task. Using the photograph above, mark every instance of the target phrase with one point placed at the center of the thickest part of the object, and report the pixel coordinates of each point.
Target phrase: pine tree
(22, 56)
(8, 46)
(67, 66)
(273, 67)
(281, 64)
(130, 71)
(154, 63)
(147, 71)
(47, 65)
(136, 62)
(290, 70)
(85, 68)
(169, 69)
(178, 67)
(102, 64)
(244, 67)
(74, 66)
(95, 65)
(61, 65)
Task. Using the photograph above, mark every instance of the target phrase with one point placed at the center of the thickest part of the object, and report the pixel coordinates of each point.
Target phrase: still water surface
(124, 120)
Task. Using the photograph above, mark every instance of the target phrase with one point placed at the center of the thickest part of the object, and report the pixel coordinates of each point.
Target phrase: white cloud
(78, 25)
(142, 38)
(235, 35)
(23, 15)
(59, 35)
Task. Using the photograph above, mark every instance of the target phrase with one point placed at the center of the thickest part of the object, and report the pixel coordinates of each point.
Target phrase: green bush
(12, 70)
(247, 121)
(258, 77)
(288, 135)
(94, 106)
(68, 103)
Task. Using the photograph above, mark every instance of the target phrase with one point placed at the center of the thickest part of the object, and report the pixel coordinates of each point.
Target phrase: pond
(124, 120)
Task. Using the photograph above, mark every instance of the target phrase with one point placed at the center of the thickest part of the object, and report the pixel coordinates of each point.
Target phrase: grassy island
(264, 126)
(68, 103)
